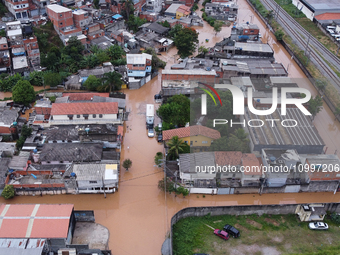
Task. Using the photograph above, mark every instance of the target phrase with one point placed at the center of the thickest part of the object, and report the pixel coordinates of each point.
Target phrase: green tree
(218, 26)
(315, 105)
(115, 52)
(8, 192)
(337, 112)
(269, 16)
(176, 146)
(112, 81)
(165, 24)
(103, 57)
(92, 83)
(74, 49)
(279, 34)
(127, 163)
(25, 132)
(236, 141)
(166, 185)
(176, 112)
(128, 9)
(23, 93)
(52, 79)
(175, 30)
(8, 83)
(321, 84)
(183, 191)
(36, 78)
(135, 22)
(203, 50)
(186, 42)
(158, 158)
(156, 62)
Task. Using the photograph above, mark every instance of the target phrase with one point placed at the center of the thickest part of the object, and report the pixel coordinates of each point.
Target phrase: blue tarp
(117, 16)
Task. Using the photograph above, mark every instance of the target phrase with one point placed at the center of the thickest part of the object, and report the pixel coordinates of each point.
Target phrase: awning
(117, 16)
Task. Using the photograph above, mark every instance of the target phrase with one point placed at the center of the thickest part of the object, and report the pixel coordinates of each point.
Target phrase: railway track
(301, 35)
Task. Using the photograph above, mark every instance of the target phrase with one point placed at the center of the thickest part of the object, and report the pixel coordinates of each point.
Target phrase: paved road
(319, 54)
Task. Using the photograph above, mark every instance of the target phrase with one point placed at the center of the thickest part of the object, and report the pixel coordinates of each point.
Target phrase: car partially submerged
(318, 225)
(224, 235)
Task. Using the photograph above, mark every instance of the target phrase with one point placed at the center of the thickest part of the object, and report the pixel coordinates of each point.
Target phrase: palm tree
(112, 81)
(127, 163)
(176, 146)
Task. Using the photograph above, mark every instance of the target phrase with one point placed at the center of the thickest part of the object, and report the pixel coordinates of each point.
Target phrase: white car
(330, 31)
(318, 225)
(151, 133)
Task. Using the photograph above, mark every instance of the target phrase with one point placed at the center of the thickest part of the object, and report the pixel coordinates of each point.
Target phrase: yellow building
(182, 11)
(198, 137)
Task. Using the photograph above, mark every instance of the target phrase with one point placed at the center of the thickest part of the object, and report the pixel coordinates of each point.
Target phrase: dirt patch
(271, 221)
(253, 249)
(240, 227)
(282, 219)
(277, 239)
(254, 223)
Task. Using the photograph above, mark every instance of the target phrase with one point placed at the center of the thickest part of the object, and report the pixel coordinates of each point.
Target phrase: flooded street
(138, 215)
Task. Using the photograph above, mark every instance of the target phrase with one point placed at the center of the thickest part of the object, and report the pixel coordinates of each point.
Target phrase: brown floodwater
(138, 215)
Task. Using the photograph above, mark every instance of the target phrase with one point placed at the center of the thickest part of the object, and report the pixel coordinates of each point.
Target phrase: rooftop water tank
(272, 158)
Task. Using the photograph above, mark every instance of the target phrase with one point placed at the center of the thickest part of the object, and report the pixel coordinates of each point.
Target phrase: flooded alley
(138, 215)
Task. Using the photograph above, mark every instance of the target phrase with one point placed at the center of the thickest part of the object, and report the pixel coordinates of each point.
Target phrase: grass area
(307, 24)
(266, 234)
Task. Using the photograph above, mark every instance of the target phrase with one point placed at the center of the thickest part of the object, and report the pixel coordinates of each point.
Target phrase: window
(5, 46)
(251, 31)
(94, 116)
(234, 175)
(60, 15)
(70, 116)
(61, 23)
(33, 44)
(186, 142)
(93, 181)
(191, 142)
(326, 175)
(86, 116)
(204, 141)
(246, 31)
(61, 161)
(78, 116)
(100, 115)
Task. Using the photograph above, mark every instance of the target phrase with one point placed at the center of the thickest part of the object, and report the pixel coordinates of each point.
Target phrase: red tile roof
(328, 16)
(120, 131)
(84, 108)
(225, 158)
(84, 96)
(35, 220)
(250, 160)
(184, 9)
(191, 131)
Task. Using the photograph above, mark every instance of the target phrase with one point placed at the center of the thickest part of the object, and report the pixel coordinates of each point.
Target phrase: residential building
(154, 6)
(138, 65)
(155, 41)
(41, 6)
(3, 43)
(62, 19)
(172, 9)
(8, 119)
(18, 246)
(328, 18)
(245, 32)
(182, 11)
(32, 50)
(20, 10)
(5, 61)
(282, 168)
(154, 27)
(96, 178)
(82, 18)
(221, 11)
(85, 113)
(198, 137)
(322, 167)
(64, 153)
(49, 221)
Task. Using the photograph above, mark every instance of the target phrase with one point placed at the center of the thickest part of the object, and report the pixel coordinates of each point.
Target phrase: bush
(279, 34)
(8, 192)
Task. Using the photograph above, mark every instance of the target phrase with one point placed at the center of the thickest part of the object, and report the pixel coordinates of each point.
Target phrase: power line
(140, 177)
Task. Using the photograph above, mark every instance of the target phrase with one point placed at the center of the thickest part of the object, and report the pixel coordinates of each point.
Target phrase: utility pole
(277, 11)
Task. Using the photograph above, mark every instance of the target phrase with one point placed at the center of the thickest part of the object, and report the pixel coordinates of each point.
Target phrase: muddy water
(138, 214)
(9, 94)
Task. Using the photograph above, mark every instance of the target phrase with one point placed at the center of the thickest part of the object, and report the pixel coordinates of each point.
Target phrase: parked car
(224, 235)
(231, 231)
(149, 126)
(151, 133)
(330, 31)
(318, 225)
(160, 126)
(160, 138)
